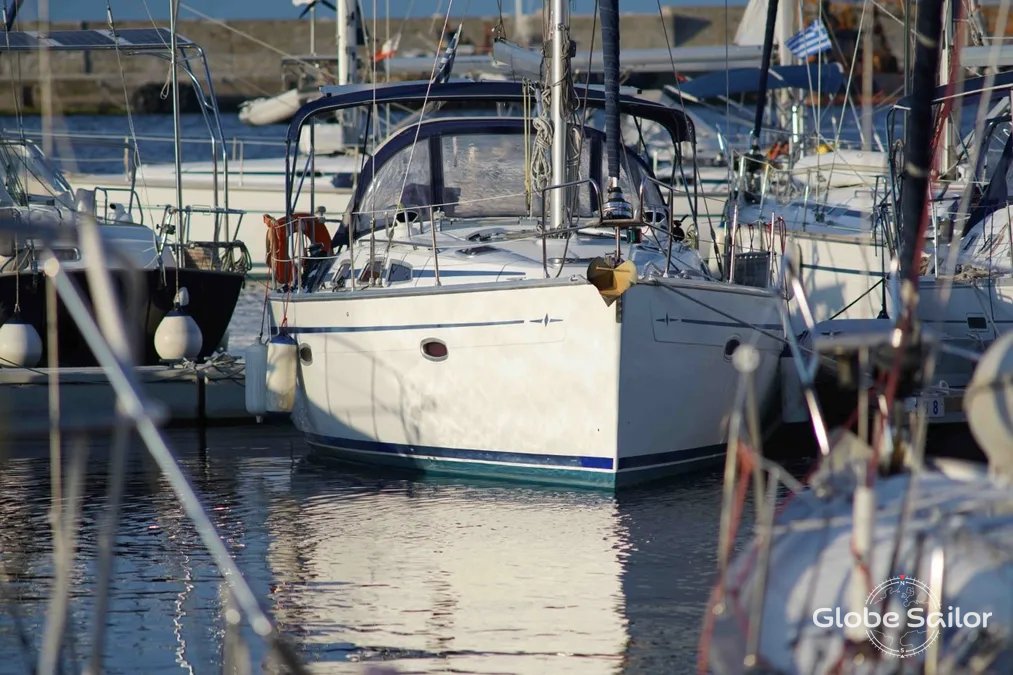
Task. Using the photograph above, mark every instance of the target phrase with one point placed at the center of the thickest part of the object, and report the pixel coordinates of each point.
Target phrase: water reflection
(360, 568)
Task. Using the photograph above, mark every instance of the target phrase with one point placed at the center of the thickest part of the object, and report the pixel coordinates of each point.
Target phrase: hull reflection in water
(485, 577)
(359, 569)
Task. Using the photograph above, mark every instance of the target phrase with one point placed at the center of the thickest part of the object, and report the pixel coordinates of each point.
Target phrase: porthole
(730, 347)
(434, 350)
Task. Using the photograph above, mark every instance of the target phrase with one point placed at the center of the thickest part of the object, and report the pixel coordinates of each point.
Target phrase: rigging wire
(847, 91)
(694, 201)
(136, 147)
(252, 38)
(418, 126)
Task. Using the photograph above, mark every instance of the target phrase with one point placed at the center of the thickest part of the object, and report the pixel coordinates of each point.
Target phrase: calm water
(424, 575)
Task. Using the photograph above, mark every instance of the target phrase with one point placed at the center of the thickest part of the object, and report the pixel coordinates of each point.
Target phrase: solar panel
(131, 39)
(85, 39)
(18, 40)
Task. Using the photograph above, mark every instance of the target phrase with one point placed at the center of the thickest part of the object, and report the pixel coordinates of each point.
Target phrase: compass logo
(913, 635)
(902, 617)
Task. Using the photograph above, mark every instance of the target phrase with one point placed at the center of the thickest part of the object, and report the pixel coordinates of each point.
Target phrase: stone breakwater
(246, 56)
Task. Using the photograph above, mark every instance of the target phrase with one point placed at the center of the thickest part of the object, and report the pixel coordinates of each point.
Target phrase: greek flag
(446, 62)
(812, 40)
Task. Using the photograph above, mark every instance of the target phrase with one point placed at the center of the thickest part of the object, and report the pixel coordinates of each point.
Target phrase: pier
(246, 56)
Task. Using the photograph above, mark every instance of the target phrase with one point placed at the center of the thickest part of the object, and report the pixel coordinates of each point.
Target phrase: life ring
(279, 255)
(778, 149)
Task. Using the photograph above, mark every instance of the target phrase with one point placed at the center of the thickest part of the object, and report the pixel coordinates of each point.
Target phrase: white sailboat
(822, 205)
(215, 187)
(156, 270)
(888, 562)
(479, 324)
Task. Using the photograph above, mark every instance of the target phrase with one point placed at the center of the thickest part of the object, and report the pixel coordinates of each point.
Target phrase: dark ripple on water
(357, 568)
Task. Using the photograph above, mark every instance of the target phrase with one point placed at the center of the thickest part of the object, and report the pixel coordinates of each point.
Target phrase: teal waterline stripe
(464, 454)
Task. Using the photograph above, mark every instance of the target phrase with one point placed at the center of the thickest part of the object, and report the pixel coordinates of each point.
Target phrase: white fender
(988, 403)
(282, 364)
(20, 344)
(178, 337)
(256, 378)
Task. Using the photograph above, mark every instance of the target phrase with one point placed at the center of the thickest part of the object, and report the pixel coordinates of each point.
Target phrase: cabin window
(484, 175)
(405, 174)
(372, 273)
(30, 176)
(991, 157)
(341, 275)
(399, 273)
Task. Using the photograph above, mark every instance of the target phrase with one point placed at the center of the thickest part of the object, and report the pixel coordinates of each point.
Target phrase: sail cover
(828, 78)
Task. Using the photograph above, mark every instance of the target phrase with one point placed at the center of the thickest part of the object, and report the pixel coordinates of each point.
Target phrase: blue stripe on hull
(576, 470)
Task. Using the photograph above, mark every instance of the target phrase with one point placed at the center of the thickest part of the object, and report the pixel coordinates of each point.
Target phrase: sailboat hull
(145, 298)
(534, 380)
(843, 263)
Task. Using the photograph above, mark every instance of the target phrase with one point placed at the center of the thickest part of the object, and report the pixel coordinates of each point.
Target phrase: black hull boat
(146, 296)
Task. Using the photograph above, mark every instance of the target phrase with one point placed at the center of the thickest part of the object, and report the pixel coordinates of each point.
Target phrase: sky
(91, 10)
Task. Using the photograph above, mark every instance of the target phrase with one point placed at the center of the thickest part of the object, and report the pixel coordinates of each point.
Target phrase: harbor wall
(245, 56)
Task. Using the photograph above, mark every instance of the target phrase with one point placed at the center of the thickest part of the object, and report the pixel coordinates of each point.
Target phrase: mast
(46, 70)
(559, 22)
(177, 146)
(785, 25)
(918, 144)
(945, 55)
(868, 23)
(345, 41)
(313, 29)
(768, 47)
(616, 207)
(520, 24)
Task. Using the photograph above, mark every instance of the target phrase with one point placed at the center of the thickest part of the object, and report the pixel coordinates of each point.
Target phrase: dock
(210, 393)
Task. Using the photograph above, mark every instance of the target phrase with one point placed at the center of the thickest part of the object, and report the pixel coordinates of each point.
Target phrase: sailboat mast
(177, 145)
(918, 144)
(768, 48)
(559, 22)
(46, 70)
(868, 26)
(346, 58)
(610, 63)
(948, 38)
(616, 206)
(343, 41)
(520, 24)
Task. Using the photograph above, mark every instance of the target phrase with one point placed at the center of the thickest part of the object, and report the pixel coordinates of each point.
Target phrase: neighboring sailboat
(486, 312)
(215, 186)
(822, 205)
(887, 563)
(158, 274)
